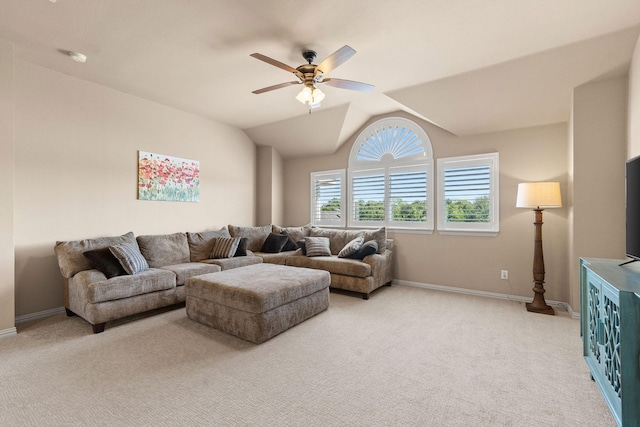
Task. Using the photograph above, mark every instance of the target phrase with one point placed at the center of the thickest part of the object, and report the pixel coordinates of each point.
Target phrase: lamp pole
(538, 305)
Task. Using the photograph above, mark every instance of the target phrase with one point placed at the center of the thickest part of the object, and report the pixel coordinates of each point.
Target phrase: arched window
(391, 176)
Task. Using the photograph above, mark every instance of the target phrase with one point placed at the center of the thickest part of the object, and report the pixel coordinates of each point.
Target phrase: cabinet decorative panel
(610, 327)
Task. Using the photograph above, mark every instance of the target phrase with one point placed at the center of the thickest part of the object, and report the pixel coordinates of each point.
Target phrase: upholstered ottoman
(258, 301)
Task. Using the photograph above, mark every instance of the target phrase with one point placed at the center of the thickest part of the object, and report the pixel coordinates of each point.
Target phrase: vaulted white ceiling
(468, 66)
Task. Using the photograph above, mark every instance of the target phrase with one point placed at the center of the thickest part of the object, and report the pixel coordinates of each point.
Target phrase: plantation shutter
(471, 185)
(408, 195)
(468, 194)
(368, 195)
(327, 190)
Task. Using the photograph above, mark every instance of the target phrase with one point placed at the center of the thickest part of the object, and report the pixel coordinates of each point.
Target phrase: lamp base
(542, 309)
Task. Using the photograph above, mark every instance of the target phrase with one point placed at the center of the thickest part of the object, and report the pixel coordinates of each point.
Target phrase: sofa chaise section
(90, 294)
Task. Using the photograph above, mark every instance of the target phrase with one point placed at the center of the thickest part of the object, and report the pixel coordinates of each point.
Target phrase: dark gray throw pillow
(242, 247)
(106, 262)
(302, 244)
(274, 243)
(290, 245)
(367, 248)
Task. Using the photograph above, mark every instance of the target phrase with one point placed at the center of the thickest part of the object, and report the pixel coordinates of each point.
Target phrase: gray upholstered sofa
(97, 292)
(362, 276)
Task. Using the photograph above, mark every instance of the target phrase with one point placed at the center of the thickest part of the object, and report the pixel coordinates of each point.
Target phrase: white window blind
(368, 196)
(407, 196)
(468, 194)
(327, 198)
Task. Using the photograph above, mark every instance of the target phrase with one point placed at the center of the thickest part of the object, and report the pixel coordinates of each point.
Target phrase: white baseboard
(39, 315)
(8, 332)
(497, 295)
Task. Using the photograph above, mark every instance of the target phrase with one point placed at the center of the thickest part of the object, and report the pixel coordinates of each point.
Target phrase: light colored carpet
(406, 357)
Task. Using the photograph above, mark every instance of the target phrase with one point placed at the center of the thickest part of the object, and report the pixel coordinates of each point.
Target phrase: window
(468, 194)
(327, 198)
(390, 176)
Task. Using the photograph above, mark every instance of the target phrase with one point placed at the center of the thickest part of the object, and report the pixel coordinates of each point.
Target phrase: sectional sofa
(108, 278)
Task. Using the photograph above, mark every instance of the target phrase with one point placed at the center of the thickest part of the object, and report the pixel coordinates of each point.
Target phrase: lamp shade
(539, 195)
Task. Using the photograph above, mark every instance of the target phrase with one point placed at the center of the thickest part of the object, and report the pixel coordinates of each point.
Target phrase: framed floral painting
(168, 178)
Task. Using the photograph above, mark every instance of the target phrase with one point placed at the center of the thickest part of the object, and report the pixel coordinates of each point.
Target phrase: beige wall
(269, 197)
(7, 282)
(599, 154)
(76, 147)
(531, 154)
(633, 123)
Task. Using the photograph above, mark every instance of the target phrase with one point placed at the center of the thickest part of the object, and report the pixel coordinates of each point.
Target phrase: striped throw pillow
(130, 258)
(317, 246)
(225, 247)
(351, 247)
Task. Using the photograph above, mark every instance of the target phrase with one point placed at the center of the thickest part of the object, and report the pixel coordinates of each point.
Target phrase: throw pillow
(303, 245)
(130, 257)
(317, 246)
(103, 260)
(274, 243)
(242, 247)
(367, 248)
(225, 247)
(351, 247)
(290, 245)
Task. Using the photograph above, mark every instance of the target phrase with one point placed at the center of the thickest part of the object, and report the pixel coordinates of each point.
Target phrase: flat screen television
(633, 209)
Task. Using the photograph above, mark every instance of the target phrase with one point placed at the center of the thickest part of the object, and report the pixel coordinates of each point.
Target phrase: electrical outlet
(504, 274)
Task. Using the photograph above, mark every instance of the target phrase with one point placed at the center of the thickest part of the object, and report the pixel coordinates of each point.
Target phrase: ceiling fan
(311, 75)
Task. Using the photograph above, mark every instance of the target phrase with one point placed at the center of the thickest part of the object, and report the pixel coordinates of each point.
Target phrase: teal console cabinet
(610, 328)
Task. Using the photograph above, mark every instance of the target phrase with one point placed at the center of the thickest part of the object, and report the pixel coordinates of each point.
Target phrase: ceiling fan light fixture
(311, 95)
(305, 95)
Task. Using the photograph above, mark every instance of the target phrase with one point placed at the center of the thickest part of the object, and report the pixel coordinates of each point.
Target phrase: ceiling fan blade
(335, 59)
(274, 87)
(275, 63)
(348, 84)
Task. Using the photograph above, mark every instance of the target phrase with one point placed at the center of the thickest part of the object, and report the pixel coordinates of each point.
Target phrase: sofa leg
(365, 296)
(98, 328)
(388, 284)
(69, 312)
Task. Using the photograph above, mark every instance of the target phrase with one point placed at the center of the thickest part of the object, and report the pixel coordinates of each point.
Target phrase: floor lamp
(538, 196)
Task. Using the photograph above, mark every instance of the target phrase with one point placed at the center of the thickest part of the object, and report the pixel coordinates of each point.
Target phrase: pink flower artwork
(168, 178)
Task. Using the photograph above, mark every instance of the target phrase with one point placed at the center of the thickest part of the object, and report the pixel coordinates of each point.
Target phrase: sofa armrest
(381, 266)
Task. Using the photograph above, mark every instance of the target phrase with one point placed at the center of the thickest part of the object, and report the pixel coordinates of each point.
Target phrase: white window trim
(339, 174)
(461, 228)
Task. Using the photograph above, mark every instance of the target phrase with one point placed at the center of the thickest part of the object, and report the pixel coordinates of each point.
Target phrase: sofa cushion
(164, 249)
(70, 253)
(332, 264)
(120, 287)
(130, 257)
(317, 246)
(103, 260)
(256, 235)
(190, 269)
(235, 262)
(201, 244)
(274, 243)
(278, 258)
(351, 247)
(225, 247)
(296, 233)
